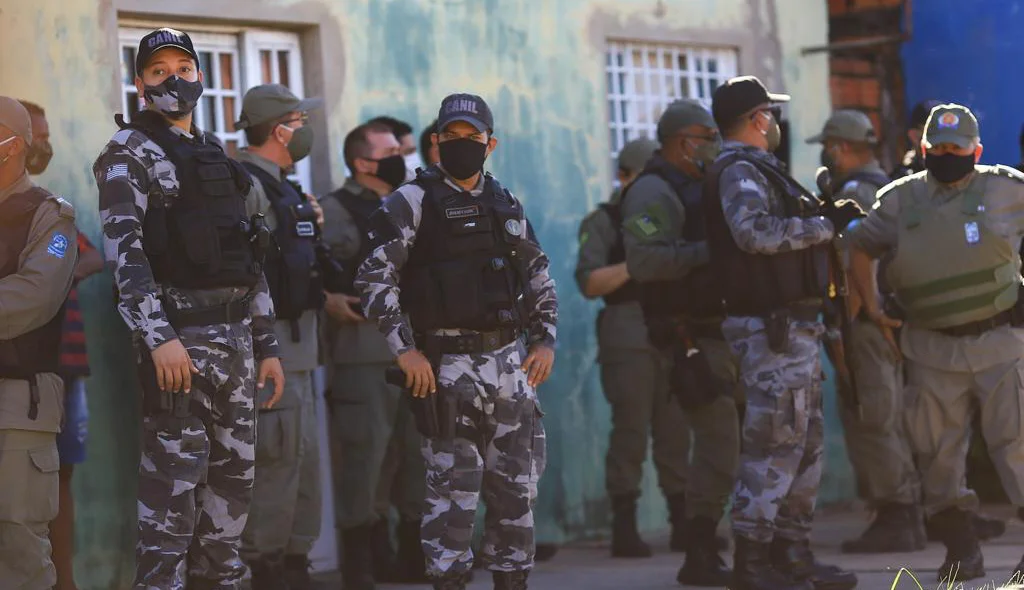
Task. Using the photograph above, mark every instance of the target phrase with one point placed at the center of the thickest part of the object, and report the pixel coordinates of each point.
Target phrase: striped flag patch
(117, 171)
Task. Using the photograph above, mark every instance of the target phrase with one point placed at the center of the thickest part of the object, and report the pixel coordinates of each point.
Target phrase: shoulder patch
(58, 246)
(645, 224)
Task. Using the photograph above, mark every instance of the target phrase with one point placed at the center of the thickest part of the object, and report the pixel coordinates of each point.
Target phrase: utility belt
(228, 313)
(1013, 317)
(19, 374)
(477, 343)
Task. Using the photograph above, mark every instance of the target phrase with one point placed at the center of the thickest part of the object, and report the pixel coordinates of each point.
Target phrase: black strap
(469, 343)
(229, 313)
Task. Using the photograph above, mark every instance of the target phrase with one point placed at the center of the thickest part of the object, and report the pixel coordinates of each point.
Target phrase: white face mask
(412, 162)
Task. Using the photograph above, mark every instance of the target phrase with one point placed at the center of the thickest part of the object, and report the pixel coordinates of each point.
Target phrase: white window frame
(244, 46)
(638, 93)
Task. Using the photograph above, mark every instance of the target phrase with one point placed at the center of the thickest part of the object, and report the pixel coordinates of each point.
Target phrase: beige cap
(849, 125)
(14, 117)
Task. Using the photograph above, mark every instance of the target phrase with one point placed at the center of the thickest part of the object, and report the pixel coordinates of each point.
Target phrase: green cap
(634, 155)
(848, 125)
(951, 123)
(272, 101)
(681, 114)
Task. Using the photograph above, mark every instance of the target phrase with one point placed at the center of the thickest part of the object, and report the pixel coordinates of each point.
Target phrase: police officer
(473, 282)
(631, 374)
(192, 292)
(876, 441)
(913, 160)
(284, 520)
(768, 247)
(37, 262)
(955, 234)
(667, 254)
(367, 412)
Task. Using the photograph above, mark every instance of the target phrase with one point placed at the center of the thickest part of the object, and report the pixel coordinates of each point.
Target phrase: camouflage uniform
(499, 449)
(783, 431)
(196, 473)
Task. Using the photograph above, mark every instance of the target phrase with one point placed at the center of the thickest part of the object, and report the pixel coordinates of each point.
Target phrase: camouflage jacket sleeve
(394, 226)
(544, 315)
(596, 237)
(652, 229)
(754, 215)
(32, 295)
(126, 182)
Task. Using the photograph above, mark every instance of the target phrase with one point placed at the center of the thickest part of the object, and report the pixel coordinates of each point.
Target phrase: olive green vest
(950, 268)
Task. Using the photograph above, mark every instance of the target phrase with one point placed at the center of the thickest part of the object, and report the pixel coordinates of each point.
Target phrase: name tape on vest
(460, 212)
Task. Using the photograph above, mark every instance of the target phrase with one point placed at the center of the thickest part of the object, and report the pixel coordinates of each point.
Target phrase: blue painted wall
(969, 52)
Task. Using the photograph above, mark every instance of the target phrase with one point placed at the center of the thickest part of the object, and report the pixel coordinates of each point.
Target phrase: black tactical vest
(361, 210)
(202, 239)
(37, 351)
(630, 291)
(467, 268)
(874, 177)
(695, 295)
(757, 284)
(291, 268)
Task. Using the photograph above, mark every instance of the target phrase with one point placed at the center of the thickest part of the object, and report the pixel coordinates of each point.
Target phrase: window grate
(644, 78)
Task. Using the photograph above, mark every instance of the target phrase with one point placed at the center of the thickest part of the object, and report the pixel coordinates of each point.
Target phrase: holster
(691, 378)
(776, 327)
(174, 404)
(437, 414)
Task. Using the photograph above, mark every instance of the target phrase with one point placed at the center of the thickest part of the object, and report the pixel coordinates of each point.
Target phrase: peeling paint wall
(540, 65)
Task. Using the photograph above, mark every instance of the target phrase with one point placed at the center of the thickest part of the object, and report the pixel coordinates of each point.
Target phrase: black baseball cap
(738, 96)
(465, 107)
(162, 39)
(919, 116)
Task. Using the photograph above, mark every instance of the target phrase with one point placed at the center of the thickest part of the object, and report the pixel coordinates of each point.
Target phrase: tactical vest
(758, 284)
(630, 291)
(950, 267)
(873, 177)
(467, 268)
(37, 351)
(291, 268)
(696, 295)
(201, 239)
(361, 210)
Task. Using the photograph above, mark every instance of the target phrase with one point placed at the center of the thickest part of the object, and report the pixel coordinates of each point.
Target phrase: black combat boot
(985, 528)
(451, 581)
(510, 580)
(752, 569)
(384, 563)
(357, 565)
(268, 573)
(411, 562)
(964, 560)
(296, 572)
(626, 541)
(703, 566)
(679, 541)
(891, 531)
(546, 551)
(796, 559)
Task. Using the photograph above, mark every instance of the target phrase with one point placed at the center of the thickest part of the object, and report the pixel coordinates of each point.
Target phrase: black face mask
(462, 158)
(391, 170)
(38, 159)
(949, 168)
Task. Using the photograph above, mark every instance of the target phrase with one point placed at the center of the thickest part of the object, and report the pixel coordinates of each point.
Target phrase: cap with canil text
(162, 39)
(465, 107)
(741, 95)
(14, 117)
(634, 155)
(681, 114)
(849, 125)
(951, 123)
(270, 102)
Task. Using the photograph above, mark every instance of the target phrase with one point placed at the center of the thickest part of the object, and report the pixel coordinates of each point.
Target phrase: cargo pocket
(517, 448)
(41, 503)
(540, 449)
(772, 419)
(1001, 418)
(274, 440)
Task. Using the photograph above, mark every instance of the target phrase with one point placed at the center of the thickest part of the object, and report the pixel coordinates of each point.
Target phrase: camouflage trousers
(783, 430)
(196, 473)
(498, 452)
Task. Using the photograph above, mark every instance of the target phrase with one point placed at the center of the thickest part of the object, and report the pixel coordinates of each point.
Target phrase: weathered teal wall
(539, 63)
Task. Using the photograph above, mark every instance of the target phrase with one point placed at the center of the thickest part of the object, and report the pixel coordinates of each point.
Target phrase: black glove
(842, 213)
